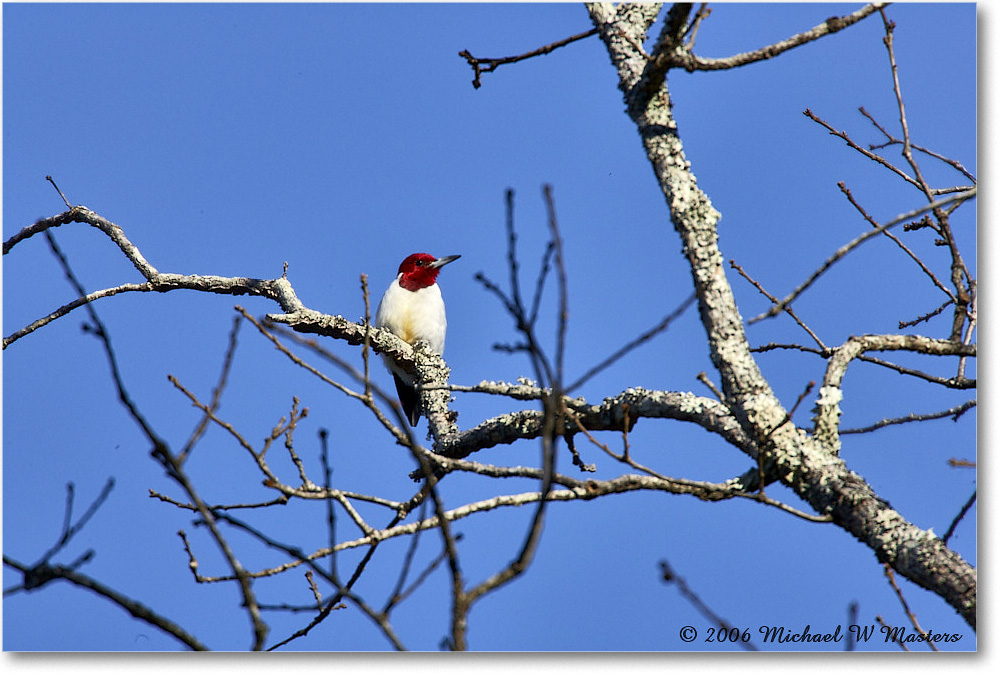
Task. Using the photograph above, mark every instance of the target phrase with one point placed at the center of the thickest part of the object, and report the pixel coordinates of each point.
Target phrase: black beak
(441, 262)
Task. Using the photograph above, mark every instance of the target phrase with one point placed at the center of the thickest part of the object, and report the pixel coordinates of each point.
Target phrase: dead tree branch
(482, 65)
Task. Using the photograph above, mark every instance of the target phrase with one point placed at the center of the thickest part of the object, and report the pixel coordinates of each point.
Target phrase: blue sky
(229, 139)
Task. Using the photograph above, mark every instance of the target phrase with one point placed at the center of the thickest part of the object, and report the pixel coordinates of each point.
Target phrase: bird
(413, 310)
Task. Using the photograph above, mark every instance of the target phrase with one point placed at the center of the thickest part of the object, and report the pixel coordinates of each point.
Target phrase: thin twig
(788, 310)
(925, 317)
(70, 529)
(891, 576)
(227, 364)
(345, 591)
(396, 596)
(692, 30)
(65, 201)
(959, 271)
(896, 240)
(961, 514)
(366, 346)
(399, 430)
(101, 331)
(950, 382)
(703, 378)
(854, 146)
(670, 577)
(628, 347)
(331, 516)
(892, 140)
(954, 413)
(133, 607)
(857, 241)
(479, 68)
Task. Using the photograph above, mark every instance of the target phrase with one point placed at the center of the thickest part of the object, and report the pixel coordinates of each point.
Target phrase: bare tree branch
(954, 413)
(670, 577)
(746, 412)
(487, 65)
(47, 573)
(857, 241)
(803, 463)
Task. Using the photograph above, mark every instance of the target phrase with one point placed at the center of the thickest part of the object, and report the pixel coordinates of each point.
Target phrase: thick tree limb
(803, 463)
(827, 419)
(619, 413)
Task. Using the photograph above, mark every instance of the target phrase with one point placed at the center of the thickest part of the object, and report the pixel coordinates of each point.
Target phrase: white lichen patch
(829, 396)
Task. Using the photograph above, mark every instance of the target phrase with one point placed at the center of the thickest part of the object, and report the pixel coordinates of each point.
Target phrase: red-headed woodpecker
(412, 309)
